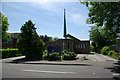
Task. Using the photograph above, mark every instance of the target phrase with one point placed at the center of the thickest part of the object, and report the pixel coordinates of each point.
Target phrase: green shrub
(65, 55)
(65, 51)
(105, 50)
(7, 53)
(45, 55)
(68, 55)
(113, 54)
(54, 56)
(72, 54)
(92, 48)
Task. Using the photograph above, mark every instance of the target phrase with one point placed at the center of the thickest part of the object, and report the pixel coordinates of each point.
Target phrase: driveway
(96, 57)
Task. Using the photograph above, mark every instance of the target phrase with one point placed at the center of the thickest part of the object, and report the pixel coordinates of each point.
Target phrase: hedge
(64, 55)
(113, 54)
(54, 56)
(7, 53)
(105, 50)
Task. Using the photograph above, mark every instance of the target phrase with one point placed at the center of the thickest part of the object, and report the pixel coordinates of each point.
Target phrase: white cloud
(48, 6)
(77, 18)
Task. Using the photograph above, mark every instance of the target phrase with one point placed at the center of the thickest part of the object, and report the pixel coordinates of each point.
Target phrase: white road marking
(116, 74)
(49, 71)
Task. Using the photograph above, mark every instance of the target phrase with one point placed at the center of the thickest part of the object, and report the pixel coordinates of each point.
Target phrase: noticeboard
(54, 49)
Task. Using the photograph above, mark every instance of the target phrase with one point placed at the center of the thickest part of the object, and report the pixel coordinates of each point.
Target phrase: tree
(98, 38)
(105, 15)
(45, 38)
(30, 44)
(4, 27)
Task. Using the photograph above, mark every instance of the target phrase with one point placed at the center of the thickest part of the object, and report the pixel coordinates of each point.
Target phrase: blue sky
(48, 17)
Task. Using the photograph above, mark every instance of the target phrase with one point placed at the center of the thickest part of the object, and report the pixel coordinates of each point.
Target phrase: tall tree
(4, 27)
(30, 44)
(99, 39)
(106, 17)
(105, 14)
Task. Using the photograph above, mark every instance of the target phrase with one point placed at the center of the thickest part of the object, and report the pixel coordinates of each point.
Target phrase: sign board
(54, 49)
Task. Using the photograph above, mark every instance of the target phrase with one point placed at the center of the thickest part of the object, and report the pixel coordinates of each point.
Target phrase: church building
(70, 43)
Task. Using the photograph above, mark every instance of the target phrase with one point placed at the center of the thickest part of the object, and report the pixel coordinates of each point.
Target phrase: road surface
(10, 70)
(90, 69)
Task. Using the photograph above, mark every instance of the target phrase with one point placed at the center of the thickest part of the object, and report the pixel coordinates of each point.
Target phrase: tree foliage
(106, 17)
(100, 38)
(45, 38)
(104, 14)
(4, 27)
(105, 50)
(30, 44)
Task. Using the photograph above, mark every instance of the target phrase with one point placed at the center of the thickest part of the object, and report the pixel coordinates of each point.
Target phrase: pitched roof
(72, 37)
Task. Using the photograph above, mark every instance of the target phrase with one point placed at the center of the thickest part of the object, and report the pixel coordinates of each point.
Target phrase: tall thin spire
(65, 32)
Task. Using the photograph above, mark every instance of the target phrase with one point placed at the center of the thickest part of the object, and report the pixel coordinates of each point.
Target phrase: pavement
(98, 57)
(90, 58)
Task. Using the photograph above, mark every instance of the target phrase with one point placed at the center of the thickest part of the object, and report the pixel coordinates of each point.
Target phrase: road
(91, 69)
(54, 71)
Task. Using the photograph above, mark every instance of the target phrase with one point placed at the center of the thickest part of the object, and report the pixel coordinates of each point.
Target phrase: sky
(48, 17)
